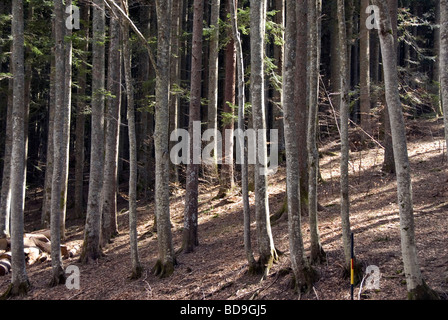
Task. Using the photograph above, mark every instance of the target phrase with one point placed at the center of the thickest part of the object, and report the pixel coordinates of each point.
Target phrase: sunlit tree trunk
(166, 257)
(300, 265)
(112, 123)
(133, 165)
(91, 250)
(19, 280)
(345, 148)
(416, 286)
(266, 247)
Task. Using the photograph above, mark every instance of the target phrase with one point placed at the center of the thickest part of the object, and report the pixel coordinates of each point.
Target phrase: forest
(223, 150)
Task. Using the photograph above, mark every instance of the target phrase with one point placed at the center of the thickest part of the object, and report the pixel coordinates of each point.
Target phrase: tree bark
(344, 121)
(19, 280)
(212, 114)
(91, 250)
(364, 70)
(242, 143)
(190, 236)
(5, 200)
(133, 166)
(443, 60)
(302, 271)
(267, 252)
(112, 122)
(389, 162)
(317, 253)
(416, 286)
(166, 257)
(59, 160)
(81, 118)
(227, 170)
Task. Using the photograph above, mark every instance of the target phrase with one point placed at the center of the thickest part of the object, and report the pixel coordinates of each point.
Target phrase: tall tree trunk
(277, 111)
(345, 148)
(46, 205)
(389, 162)
(227, 170)
(242, 143)
(5, 200)
(416, 286)
(317, 253)
(212, 110)
(175, 76)
(133, 168)
(80, 117)
(301, 100)
(60, 115)
(110, 179)
(166, 257)
(443, 60)
(67, 116)
(19, 280)
(364, 67)
(190, 236)
(302, 271)
(92, 247)
(267, 252)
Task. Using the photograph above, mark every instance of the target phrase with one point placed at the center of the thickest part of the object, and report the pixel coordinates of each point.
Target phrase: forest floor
(216, 270)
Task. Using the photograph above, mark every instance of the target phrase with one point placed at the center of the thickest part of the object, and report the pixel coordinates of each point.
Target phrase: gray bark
(133, 168)
(212, 110)
(190, 236)
(417, 289)
(92, 247)
(112, 122)
(5, 200)
(80, 118)
(344, 122)
(19, 279)
(59, 160)
(443, 60)
(267, 252)
(313, 105)
(299, 263)
(364, 70)
(166, 257)
(242, 143)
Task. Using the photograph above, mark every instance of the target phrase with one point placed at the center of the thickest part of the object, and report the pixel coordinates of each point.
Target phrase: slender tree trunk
(301, 100)
(364, 65)
(212, 110)
(166, 257)
(175, 76)
(317, 253)
(67, 116)
(110, 179)
(416, 286)
(133, 168)
(267, 252)
(277, 111)
(5, 200)
(302, 271)
(227, 170)
(46, 205)
(190, 236)
(92, 247)
(60, 114)
(80, 117)
(389, 162)
(443, 60)
(242, 143)
(345, 148)
(19, 280)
